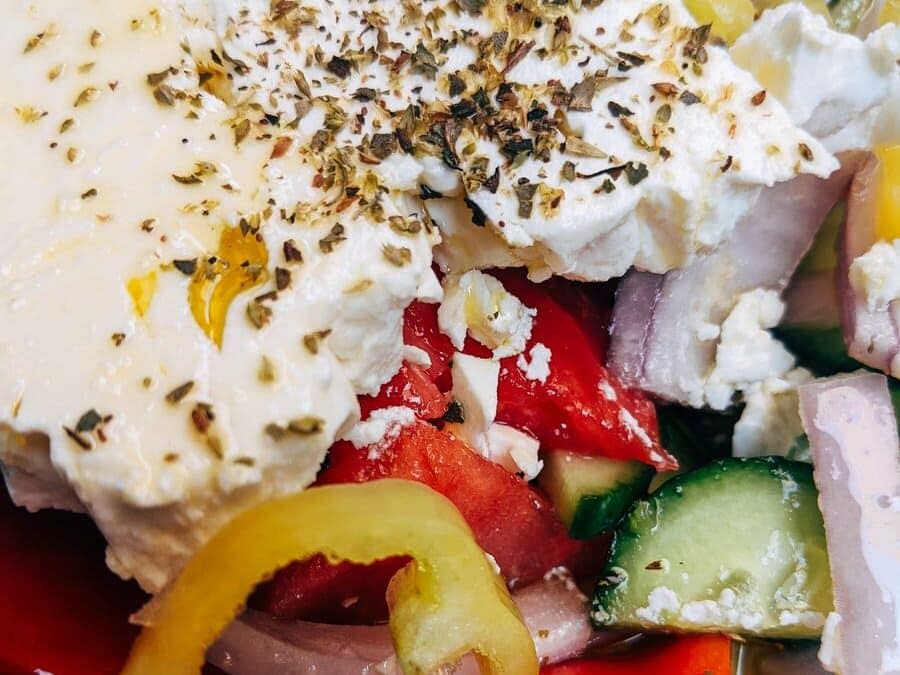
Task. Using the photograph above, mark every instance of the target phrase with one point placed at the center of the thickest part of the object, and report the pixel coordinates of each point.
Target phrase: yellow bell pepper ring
(445, 604)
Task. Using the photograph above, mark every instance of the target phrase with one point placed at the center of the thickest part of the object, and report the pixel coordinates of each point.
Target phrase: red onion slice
(856, 456)
(554, 610)
(655, 345)
(872, 337)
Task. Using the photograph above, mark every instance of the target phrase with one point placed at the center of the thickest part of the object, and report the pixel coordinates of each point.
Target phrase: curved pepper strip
(445, 604)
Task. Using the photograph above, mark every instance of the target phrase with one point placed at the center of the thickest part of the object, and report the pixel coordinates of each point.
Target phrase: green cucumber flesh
(735, 546)
(591, 494)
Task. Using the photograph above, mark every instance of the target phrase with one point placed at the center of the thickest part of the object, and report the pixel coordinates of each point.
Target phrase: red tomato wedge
(581, 406)
(410, 387)
(511, 520)
(683, 655)
(62, 610)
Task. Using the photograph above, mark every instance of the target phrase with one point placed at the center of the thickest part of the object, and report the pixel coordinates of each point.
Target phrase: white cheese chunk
(380, 429)
(475, 389)
(477, 304)
(843, 90)
(770, 421)
(876, 274)
(514, 450)
(312, 128)
(107, 211)
(538, 368)
(747, 353)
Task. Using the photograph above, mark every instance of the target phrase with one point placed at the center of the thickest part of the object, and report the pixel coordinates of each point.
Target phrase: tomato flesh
(410, 387)
(62, 610)
(682, 655)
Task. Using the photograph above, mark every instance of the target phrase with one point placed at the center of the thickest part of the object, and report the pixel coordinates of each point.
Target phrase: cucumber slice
(591, 494)
(736, 546)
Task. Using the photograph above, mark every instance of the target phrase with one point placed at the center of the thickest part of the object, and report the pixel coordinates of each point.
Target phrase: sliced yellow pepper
(447, 603)
(887, 218)
(890, 12)
(729, 18)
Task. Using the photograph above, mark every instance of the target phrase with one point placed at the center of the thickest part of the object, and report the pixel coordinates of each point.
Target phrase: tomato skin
(681, 655)
(581, 407)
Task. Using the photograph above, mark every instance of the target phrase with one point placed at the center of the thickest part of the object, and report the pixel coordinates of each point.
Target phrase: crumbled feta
(843, 90)
(726, 610)
(876, 274)
(417, 356)
(596, 226)
(747, 353)
(830, 648)
(730, 608)
(380, 429)
(475, 389)
(660, 602)
(770, 421)
(514, 450)
(477, 304)
(538, 368)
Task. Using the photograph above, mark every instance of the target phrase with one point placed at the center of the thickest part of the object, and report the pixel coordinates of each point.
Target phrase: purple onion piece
(655, 345)
(856, 457)
(872, 337)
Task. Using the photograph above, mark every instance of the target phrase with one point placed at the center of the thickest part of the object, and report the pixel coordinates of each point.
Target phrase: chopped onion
(856, 454)
(257, 644)
(872, 336)
(655, 343)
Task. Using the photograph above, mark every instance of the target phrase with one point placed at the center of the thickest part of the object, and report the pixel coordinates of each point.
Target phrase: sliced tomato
(411, 387)
(581, 406)
(511, 520)
(682, 655)
(420, 329)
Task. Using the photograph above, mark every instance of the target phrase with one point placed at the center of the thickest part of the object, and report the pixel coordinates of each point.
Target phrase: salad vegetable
(683, 655)
(855, 450)
(446, 604)
(592, 493)
(735, 546)
(655, 345)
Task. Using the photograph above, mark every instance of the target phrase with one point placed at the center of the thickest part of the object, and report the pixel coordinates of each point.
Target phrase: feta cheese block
(189, 301)
(585, 139)
(876, 274)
